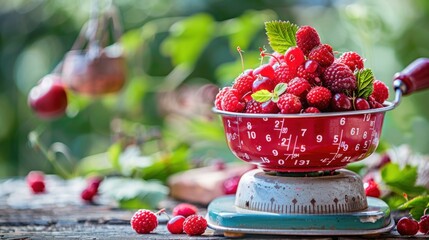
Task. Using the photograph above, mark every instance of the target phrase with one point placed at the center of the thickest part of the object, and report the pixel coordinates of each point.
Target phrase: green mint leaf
(401, 180)
(416, 206)
(281, 35)
(365, 79)
(262, 95)
(280, 89)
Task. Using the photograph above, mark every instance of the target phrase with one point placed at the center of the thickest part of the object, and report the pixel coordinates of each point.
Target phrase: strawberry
(319, 97)
(339, 78)
(352, 60)
(219, 97)
(307, 38)
(144, 221)
(283, 73)
(298, 87)
(289, 103)
(322, 54)
(380, 92)
(195, 225)
(185, 209)
(243, 83)
(231, 101)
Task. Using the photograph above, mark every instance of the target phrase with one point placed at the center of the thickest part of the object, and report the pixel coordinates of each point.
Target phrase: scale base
(224, 217)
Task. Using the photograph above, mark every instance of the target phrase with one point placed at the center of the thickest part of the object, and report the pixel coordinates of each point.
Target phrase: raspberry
(298, 87)
(380, 92)
(36, 181)
(319, 97)
(322, 54)
(340, 102)
(351, 60)
(309, 76)
(424, 224)
(311, 110)
(175, 224)
(231, 102)
(289, 103)
(195, 225)
(144, 221)
(253, 107)
(307, 38)
(361, 104)
(243, 83)
(373, 103)
(230, 185)
(284, 73)
(273, 60)
(407, 226)
(219, 97)
(184, 209)
(294, 57)
(339, 78)
(372, 189)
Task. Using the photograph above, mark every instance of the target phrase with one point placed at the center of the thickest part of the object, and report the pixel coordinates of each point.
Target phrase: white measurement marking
(340, 143)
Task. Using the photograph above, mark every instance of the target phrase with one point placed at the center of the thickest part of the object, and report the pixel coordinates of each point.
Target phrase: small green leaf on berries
(365, 79)
(416, 206)
(281, 35)
(262, 95)
(280, 88)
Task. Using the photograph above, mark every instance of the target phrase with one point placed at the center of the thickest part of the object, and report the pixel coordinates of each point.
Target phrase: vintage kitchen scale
(300, 186)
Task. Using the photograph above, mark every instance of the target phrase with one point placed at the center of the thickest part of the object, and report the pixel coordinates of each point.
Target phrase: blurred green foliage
(171, 44)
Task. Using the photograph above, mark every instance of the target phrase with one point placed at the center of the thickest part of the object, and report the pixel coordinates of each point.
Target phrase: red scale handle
(415, 76)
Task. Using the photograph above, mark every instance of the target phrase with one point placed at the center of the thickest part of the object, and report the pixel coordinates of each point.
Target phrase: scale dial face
(342, 192)
(303, 144)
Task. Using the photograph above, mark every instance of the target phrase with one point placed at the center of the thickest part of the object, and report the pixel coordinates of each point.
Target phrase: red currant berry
(294, 57)
(340, 102)
(407, 226)
(265, 70)
(175, 224)
(361, 104)
(269, 107)
(263, 83)
(311, 66)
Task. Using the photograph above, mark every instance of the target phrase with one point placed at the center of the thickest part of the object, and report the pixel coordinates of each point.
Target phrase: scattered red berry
(407, 226)
(36, 181)
(231, 101)
(361, 104)
(352, 60)
(372, 189)
(230, 185)
(294, 57)
(340, 102)
(185, 209)
(307, 38)
(380, 92)
(322, 54)
(175, 224)
(265, 70)
(144, 221)
(88, 194)
(298, 87)
(195, 225)
(319, 97)
(424, 224)
(311, 110)
(339, 78)
(289, 103)
(243, 83)
(284, 73)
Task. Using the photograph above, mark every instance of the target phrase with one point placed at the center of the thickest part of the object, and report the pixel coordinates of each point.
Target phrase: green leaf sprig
(281, 35)
(365, 79)
(265, 95)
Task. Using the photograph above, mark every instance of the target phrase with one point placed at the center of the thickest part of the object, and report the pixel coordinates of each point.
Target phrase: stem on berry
(161, 211)
(241, 57)
(264, 54)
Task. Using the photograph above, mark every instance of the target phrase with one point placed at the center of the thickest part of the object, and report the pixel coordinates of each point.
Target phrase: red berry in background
(319, 97)
(340, 102)
(424, 224)
(94, 181)
(407, 226)
(307, 38)
(263, 83)
(36, 181)
(185, 209)
(322, 54)
(372, 189)
(243, 83)
(294, 57)
(298, 87)
(195, 225)
(48, 99)
(88, 194)
(265, 70)
(144, 221)
(230, 185)
(175, 224)
(361, 104)
(339, 78)
(232, 102)
(352, 60)
(289, 103)
(380, 92)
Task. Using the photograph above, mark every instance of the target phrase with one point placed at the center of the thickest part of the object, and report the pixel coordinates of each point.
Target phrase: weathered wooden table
(60, 214)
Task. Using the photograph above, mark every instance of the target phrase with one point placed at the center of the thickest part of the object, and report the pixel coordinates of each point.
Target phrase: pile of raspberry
(307, 78)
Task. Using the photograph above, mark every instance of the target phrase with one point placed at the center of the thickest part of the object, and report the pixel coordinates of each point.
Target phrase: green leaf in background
(188, 38)
(114, 152)
(134, 193)
(262, 95)
(416, 206)
(401, 180)
(365, 79)
(281, 35)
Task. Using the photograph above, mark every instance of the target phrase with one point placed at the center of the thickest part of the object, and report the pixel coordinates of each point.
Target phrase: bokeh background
(173, 48)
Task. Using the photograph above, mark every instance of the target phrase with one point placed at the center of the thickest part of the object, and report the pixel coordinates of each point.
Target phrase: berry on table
(380, 92)
(352, 60)
(36, 181)
(230, 185)
(424, 224)
(88, 194)
(195, 225)
(289, 103)
(319, 97)
(175, 224)
(144, 221)
(322, 54)
(307, 38)
(185, 209)
(339, 78)
(407, 226)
